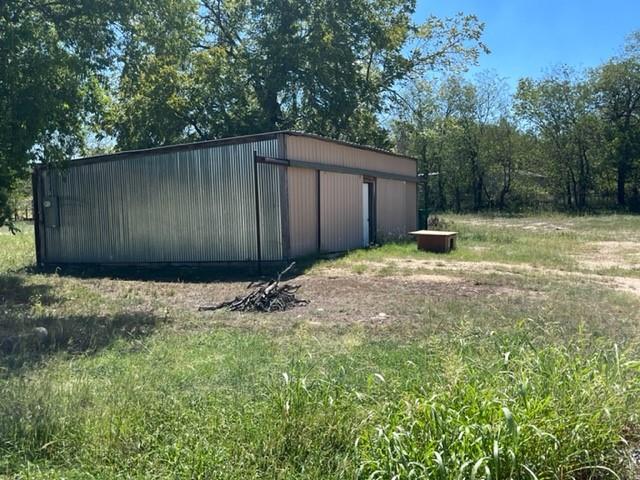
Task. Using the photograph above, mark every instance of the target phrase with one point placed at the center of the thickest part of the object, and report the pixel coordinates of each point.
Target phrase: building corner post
(257, 198)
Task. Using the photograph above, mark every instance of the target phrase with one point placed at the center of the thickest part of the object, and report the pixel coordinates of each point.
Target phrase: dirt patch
(380, 295)
(337, 297)
(544, 226)
(611, 254)
(625, 284)
(523, 224)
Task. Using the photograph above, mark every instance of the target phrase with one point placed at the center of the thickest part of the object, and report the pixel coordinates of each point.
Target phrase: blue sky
(528, 36)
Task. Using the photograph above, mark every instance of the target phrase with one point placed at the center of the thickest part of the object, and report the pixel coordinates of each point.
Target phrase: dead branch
(268, 296)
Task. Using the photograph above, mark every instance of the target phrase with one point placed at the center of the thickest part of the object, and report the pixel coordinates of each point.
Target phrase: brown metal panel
(310, 149)
(391, 208)
(303, 206)
(340, 211)
(326, 167)
(345, 143)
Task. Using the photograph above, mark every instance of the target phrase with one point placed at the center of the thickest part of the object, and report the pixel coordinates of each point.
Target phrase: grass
(536, 376)
(552, 241)
(231, 405)
(16, 251)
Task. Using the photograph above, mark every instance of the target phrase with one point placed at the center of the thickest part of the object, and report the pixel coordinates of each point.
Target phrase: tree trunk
(506, 187)
(621, 181)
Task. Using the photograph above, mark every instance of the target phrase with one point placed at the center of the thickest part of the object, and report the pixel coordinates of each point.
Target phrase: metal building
(265, 197)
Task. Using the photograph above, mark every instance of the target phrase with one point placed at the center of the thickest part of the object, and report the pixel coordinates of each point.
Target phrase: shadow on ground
(206, 273)
(27, 336)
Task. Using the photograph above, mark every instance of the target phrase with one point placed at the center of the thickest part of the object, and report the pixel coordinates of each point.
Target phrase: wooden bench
(435, 241)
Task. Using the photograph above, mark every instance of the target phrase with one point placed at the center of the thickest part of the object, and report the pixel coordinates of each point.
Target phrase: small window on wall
(51, 212)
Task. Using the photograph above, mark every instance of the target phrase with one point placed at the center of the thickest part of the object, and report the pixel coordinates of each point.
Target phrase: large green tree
(147, 73)
(52, 58)
(171, 87)
(323, 66)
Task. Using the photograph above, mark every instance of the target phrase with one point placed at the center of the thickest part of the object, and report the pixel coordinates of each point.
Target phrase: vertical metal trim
(284, 199)
(283, 175)
(373, 225)
(374, 214)
(318, 210)
(257, 194)
(417, 215)
(36, 215)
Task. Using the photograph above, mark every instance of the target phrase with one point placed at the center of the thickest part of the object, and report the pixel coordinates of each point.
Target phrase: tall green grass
(246, 405)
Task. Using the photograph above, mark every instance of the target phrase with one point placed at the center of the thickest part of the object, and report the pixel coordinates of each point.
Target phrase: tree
(170, 89)
(147, 73)
(560, 110)
(617, 83)
(325, 67)
(462, 131)
(51, 58)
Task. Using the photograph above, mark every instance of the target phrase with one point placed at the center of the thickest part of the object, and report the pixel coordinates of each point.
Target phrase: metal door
(366, 217)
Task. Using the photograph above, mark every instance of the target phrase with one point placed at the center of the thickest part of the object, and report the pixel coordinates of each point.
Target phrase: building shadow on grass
(14, 291)
(27, 336)
(205, 273)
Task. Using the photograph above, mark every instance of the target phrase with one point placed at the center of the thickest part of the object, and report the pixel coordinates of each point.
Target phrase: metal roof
(225, 141)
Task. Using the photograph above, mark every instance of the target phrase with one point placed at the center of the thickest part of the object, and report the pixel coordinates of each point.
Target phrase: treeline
(83, 77)
(569, 140)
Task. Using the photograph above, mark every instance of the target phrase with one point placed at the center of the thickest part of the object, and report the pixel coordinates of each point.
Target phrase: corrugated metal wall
(303, 211)
(196, 203)
(340, 211)
(391, 209)
(341, 196)
(187, 206)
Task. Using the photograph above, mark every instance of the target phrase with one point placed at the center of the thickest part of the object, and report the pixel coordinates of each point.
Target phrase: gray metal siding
(183, 206)
(269, 187)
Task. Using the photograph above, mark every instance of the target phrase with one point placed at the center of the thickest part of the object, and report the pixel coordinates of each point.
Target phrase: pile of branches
(265, 297)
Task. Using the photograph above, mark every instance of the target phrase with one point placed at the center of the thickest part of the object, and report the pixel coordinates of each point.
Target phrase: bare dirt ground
(611, 254)
(337, 296)
(626, 284)
(375, 298)
(377, 292)
(521, 223)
